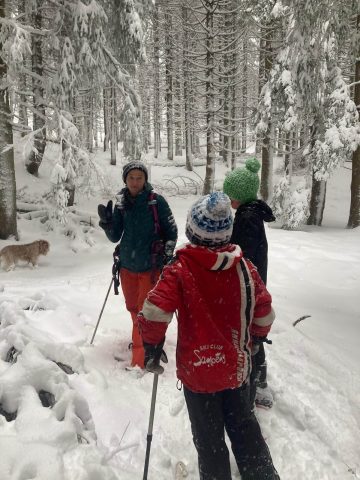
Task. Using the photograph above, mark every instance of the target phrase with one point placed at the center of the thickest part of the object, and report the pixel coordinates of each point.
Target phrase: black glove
(168, 251)
(153, 355)
(105, 214)
(256, 341)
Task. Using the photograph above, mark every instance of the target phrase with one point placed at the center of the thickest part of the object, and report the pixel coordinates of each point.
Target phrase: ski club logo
(209, 355)
(240, 359)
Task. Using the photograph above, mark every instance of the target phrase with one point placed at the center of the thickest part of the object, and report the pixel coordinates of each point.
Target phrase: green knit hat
(242, 184)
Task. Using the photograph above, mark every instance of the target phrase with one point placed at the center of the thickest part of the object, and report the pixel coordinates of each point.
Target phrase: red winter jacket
(221, 301)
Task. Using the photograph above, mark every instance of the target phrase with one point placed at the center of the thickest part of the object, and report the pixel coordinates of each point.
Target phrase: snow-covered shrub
(290, 203)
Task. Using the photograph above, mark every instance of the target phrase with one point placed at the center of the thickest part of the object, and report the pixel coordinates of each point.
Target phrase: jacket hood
(217, 259)
(259, 207)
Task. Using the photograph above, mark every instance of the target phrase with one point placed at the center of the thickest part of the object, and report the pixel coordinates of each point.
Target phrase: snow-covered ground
(96, 429)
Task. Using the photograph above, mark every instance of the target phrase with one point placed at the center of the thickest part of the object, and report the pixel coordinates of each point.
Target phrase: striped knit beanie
(242, 184)
(134, 165)
(209, 221)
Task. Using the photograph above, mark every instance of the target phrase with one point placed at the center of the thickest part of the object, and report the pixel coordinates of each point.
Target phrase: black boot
(263, 396)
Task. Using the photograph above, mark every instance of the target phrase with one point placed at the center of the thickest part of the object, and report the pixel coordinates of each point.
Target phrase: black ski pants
(213, 413)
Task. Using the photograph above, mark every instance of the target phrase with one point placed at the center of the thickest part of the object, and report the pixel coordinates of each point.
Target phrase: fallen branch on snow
(300, 319)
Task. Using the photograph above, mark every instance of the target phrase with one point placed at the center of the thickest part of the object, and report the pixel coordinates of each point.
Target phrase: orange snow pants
(135, 287)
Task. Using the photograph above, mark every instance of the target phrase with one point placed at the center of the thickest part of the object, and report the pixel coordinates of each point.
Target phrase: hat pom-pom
(252, 164)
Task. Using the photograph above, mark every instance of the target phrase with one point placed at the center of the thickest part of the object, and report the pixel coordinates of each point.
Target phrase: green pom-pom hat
(242, 184)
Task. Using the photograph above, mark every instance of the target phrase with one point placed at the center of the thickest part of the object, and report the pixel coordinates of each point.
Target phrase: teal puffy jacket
(133, 223)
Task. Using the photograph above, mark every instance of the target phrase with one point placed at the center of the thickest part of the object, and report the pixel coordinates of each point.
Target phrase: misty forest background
(207, 81)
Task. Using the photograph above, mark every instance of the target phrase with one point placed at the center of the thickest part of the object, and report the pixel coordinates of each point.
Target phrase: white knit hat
(209, 221)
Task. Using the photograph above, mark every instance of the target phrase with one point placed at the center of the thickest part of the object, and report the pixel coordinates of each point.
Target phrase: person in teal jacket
(143, 223)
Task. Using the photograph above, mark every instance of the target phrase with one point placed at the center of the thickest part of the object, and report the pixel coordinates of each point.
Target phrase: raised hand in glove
(153, 355)
(105, 214)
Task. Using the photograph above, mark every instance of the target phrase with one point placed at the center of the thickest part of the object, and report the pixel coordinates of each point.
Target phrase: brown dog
(29, 253)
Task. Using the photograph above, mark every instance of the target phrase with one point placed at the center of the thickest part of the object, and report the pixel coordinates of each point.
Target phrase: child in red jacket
(221, 303)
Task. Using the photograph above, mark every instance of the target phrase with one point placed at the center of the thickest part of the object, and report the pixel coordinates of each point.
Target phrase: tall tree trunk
(113, 132)
(187, 96)
(354, 215)
(8, 224)
(317, 202)
(233, 92)
(157, 121)
(169, 86)
(34, 160)
(146, 116)
(210, 100)
(262, 80)
(267, 145)
(23, 113)
(106, 118)
(318, 190)
(265, 169)
(280, 144)
(244, 96)
(224, 82)
(177, 111)
(288, 156)
(90, 122)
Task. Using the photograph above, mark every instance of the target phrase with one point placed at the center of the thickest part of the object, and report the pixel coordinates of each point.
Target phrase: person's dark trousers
(212, 413)
(258, 372)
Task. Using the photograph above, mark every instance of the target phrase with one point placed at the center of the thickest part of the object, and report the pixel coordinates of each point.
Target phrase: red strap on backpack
(153, 205)
(157, 247)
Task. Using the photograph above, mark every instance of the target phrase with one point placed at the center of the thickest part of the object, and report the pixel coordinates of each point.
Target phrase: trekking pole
(151, 423)
(92, 338)
(115, 281)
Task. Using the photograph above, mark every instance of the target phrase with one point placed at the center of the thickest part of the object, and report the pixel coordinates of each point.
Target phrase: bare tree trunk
(258, 142)
(157, 122)
(169, 87)
(177, 111)
(210, 101)
(106, 119)
(146, 117)
(354, 215)
(267, 146)
(288, 156)
(266, 167)
(34, 160)
(224, 82)
(280, 143)
(244, 95)
(96, 128)
(113, 132)
(23, 112)
(317, 202)
(318, 191)
(90, 123)
(234, 136)
(186, 86)
(8, 225)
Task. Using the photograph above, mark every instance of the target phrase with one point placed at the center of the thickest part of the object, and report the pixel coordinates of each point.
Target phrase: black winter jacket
(133, 224)
(249, 233)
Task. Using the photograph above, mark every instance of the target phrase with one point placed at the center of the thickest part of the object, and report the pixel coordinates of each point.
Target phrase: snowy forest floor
(49, 313)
